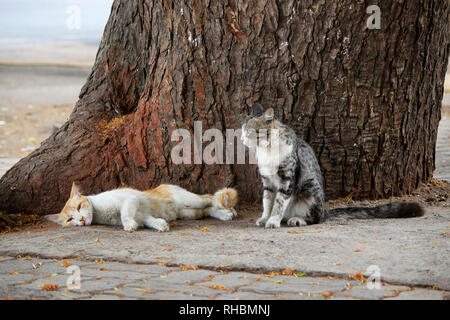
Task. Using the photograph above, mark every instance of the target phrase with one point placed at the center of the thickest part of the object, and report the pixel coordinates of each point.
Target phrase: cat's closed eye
(70, 219)
(79, 207)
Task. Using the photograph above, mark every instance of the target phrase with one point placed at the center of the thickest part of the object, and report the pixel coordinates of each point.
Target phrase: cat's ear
(75, 191)
(269, 114)
(257, 110)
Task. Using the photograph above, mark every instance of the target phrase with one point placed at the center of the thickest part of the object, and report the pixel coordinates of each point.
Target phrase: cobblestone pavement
(35, 278)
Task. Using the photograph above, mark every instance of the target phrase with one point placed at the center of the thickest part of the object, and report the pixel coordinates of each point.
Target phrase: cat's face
(78, 210)
(257, 128)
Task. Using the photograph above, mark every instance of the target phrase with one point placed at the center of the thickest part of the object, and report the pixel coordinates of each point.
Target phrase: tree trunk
(367, 100)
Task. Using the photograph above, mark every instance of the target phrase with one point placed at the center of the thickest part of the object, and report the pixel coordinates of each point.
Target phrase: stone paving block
(183, 292)
(2, 259)
(233, 280)
(419, 294)
(363, 292)
(15, 279)
(103, 284)
(162, 284)
(60, 280)
(240, 295)
(131, 292)
(103, 297)
(198, 289)
(137, 268)
(126, 275)
(21, 265)
(28, 293)
(299, 297)
(165, 295)
(195, 276)
(291, 284)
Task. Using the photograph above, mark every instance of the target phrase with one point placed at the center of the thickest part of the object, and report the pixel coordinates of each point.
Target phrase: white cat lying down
(154, 208)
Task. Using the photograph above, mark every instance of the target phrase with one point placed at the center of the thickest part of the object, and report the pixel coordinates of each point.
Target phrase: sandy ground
(33, 102)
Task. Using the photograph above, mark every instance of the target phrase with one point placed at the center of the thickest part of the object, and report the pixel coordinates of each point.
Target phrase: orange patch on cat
(162, 191)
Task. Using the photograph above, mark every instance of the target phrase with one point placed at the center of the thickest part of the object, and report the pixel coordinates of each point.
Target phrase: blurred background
(47, 48)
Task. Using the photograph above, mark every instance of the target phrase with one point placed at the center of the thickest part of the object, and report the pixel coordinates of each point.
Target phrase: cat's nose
(82, 221)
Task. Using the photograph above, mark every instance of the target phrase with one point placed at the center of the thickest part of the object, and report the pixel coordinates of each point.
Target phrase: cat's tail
(384, 211)
(226, 198)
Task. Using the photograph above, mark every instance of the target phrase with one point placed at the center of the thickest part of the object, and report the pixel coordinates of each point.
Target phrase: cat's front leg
(268, 198)
(128, 214)
(280, 205)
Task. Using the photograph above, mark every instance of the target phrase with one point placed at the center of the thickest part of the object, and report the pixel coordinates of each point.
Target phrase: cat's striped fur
(292, 180)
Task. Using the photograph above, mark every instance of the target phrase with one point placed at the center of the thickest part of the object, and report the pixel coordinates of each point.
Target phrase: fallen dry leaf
(304, 232)
(205, 229)
(66, 263)
(357, 250)
(50, 287)
(272, 274)
(99, 261)
(326, 294)
(289, 272)
(218, 287)
(102, 269)
(189, 267)
(359, 276)
(169, 249)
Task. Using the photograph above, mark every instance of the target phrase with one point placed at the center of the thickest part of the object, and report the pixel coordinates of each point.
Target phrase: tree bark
(367, 100)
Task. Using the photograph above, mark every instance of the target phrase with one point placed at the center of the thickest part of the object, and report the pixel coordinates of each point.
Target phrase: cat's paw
(273, 223)
(261, 222)
(130, 226)
(225, 215)
(161, 225)
(296, 222)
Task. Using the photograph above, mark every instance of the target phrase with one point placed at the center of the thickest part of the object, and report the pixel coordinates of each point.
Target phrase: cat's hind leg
(221, 214)
(156, 223)
(183, 198)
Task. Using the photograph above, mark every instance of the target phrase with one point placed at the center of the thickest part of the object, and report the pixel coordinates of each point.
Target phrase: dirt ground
(33, 102)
